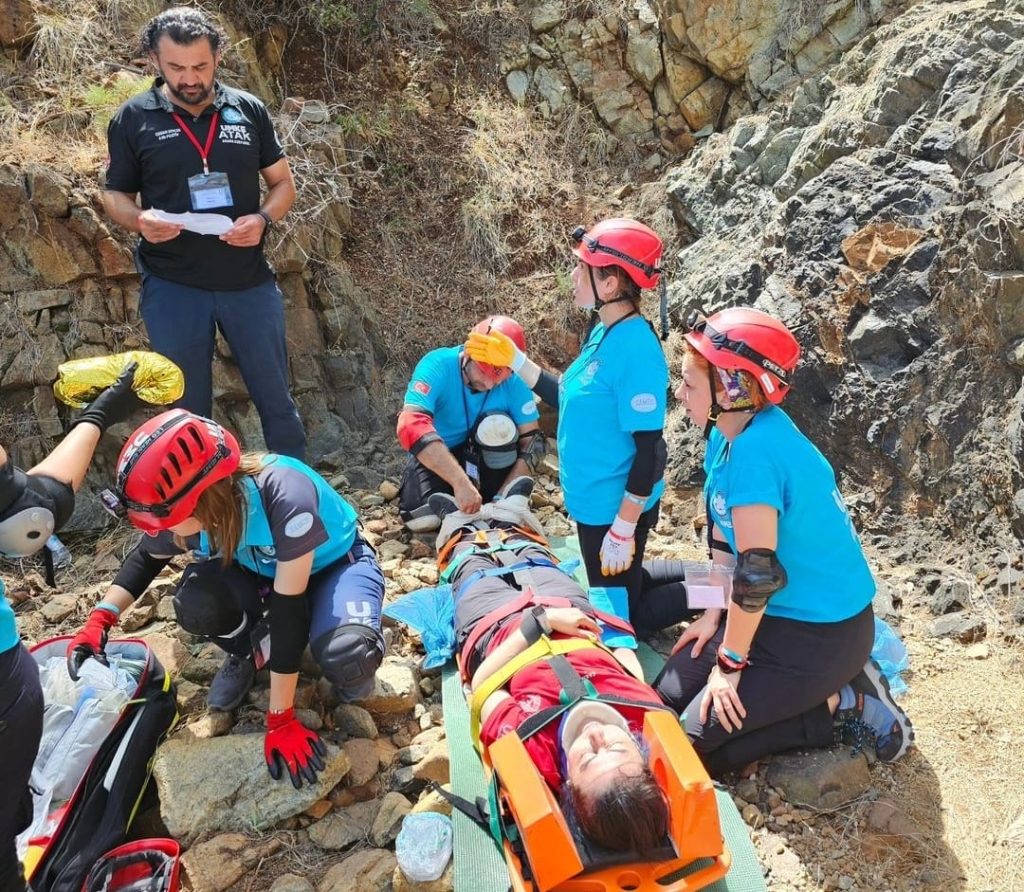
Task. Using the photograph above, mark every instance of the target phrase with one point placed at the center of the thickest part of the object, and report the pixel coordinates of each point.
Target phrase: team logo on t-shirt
(299, 525)
(590, 372)
(237, 134)
(529, 408)
(644, 402)
(718, 506)
(231, 115)
(421, 387)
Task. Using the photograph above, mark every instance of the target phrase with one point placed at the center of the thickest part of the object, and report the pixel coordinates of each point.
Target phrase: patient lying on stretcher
(509, 593)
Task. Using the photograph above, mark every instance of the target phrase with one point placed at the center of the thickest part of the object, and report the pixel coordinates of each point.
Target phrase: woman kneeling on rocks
(790, 665)
(281, 565)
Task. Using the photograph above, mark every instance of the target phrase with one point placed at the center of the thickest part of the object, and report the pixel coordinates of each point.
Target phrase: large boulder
(222, 784)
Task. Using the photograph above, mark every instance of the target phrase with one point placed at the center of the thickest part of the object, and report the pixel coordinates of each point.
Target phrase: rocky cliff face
(663, 73)
(69, 288)
(879, 210)
(857, 169)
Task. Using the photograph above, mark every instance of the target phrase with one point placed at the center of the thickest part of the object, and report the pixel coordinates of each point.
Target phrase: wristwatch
(269, 220)
(535, 624)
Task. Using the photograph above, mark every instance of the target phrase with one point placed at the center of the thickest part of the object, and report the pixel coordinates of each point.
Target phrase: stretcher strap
(540, 650)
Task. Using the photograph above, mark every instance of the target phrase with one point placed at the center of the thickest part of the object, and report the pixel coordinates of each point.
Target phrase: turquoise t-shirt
(773, 463)
(436, 386)
(8, 631)
(614, 388)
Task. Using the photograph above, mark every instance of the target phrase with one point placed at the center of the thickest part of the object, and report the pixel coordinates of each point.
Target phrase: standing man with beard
(191, 143)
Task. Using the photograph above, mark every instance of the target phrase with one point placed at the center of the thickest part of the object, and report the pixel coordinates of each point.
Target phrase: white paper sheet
(204, 224)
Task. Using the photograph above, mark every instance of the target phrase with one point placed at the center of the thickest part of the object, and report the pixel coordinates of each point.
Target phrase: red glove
(292, 745)
(91, 640)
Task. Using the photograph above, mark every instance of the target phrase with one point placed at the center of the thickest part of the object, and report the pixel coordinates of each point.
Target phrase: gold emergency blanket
(157, 380)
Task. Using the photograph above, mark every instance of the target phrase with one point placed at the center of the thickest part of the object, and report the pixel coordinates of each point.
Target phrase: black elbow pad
(757, 576)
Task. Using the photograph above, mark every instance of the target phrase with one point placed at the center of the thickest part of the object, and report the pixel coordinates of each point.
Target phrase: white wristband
(518, 361)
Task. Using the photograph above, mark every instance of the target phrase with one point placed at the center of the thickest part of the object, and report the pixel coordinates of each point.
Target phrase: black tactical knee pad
(213, 600)
(349, 657)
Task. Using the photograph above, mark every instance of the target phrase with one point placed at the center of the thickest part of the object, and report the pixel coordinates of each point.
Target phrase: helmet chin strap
(598, 303)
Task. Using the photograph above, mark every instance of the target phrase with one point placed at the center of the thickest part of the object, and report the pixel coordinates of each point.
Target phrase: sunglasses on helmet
(579, 236)
(697, 322)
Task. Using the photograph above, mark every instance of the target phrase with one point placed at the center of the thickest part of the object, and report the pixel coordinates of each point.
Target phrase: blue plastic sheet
(613, 600)
(431, 613)
(891, 655)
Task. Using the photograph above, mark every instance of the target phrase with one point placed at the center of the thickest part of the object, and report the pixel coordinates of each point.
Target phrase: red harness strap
(528, 598)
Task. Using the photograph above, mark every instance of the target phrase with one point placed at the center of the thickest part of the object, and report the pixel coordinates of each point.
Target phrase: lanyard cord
(204, 151)
(465, 402)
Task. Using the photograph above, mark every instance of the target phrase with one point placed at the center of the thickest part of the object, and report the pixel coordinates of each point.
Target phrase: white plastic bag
(424, 846)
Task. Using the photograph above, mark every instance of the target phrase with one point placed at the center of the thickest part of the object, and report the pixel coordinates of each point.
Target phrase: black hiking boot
(231, 683)
(519, 486)
(442, 504)
(874, 718)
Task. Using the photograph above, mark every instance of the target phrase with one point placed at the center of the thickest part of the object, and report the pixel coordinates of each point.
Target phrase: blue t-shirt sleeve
(427, 382)
(641, 388)
(523, 408)
(754, 481)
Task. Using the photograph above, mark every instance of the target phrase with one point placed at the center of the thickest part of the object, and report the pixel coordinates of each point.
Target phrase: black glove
(114, 404)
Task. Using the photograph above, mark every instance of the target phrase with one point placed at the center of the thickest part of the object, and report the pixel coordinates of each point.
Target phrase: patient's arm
(628, 660)
(512, 646)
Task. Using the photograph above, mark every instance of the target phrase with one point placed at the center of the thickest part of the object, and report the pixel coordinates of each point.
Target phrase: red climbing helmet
(167, 464)
(624, 243)
(507, 326)
(744, 338)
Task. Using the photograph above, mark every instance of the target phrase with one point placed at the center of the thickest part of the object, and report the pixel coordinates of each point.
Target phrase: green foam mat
(480, 866)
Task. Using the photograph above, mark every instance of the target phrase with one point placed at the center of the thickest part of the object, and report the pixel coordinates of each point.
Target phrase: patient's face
(600, 755)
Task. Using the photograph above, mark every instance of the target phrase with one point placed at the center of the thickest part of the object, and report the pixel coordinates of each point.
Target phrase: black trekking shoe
(519, 486)
(442, 504)
(422, 520)
(231, 683)
(875, 719)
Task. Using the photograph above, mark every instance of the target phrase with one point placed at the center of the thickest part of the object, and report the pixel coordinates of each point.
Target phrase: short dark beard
(182, 98)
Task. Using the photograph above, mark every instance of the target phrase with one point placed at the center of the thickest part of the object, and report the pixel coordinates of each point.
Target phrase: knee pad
(33, 508)
(757, 576)
(210, 597)
(349, 656)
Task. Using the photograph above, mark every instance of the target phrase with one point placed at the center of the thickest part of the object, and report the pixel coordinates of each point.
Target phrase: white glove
(618, 547)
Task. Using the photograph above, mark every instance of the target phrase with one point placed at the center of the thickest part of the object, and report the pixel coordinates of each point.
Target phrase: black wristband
(269, 220)
(534, 625)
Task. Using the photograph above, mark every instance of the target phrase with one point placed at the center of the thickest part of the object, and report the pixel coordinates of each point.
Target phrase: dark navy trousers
(182, 323)
(21, 727)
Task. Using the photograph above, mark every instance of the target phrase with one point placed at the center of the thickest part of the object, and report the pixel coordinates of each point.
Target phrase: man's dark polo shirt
(149, 155)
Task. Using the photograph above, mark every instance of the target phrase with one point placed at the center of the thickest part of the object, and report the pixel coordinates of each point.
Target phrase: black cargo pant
(794, 668)
(419, 483)
(21, 727)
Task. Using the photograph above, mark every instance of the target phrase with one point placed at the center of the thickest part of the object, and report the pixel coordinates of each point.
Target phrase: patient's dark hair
(630, 815)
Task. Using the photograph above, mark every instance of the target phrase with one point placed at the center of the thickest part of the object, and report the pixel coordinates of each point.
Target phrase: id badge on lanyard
(206, 190)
